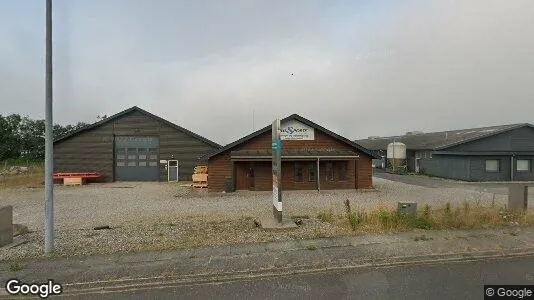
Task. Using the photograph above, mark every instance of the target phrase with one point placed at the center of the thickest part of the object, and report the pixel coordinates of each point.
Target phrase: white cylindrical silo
(396, 156)
(396, 150)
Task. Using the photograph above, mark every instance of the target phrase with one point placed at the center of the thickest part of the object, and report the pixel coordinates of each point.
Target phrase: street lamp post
(49, 143)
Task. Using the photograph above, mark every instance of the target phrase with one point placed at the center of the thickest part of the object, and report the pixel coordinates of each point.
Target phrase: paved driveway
(499, 188)
(418, 180)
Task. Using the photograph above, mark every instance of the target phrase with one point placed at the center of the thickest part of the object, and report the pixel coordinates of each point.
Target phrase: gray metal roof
(438, 140)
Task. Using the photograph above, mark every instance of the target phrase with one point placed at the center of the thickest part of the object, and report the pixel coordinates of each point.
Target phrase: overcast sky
(360, 68)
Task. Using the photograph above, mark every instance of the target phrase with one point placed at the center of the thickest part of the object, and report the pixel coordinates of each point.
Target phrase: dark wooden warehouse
(132, 145)
(312, 158)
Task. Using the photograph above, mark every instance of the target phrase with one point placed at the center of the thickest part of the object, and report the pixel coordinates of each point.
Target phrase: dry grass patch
(465, 216)
(326, 216)
(31, 179)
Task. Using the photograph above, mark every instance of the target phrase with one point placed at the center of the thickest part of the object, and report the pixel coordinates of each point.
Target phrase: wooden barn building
(132, 145)
(312, 158)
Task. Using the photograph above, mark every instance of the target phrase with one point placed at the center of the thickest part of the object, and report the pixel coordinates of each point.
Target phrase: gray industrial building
(132, 145)
(496, 153)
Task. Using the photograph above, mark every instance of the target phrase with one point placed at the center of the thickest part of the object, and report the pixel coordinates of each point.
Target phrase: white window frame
(528, 161)
(492, 171)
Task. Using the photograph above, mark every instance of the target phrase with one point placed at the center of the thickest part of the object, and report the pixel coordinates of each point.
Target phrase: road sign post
(277, 171)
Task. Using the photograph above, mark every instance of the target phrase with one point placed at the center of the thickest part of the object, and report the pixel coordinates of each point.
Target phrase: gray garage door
(136, 158)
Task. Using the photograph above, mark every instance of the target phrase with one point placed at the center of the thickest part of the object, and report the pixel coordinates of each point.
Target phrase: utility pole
(49, 143)
(277, 171)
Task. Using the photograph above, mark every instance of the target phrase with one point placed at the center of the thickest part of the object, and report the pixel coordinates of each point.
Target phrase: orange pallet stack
(200, 177)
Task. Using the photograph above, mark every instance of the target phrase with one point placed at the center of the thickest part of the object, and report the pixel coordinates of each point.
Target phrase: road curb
(130, 284)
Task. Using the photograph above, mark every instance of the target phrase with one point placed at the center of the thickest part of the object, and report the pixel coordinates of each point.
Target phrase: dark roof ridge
(127, 111)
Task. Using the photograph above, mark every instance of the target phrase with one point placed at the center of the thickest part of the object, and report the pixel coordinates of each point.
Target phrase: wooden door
(245, 176)
(251, 178)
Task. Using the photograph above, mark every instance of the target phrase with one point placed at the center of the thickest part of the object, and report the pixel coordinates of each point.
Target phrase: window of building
(329, 172)
(142, 154)
(312, 174)
(492, 165)
(342, 170)
(121, 153)
(152, 153)
(523, 165)
(298, 172)
(132, 154)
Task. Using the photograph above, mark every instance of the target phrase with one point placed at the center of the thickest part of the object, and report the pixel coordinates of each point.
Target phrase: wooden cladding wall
(365, 174)
(88, 152)
(359, 171)
(93, 150)
(263, 176)
(219, 169)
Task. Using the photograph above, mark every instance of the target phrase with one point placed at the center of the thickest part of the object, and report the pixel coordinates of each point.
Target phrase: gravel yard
(158, 216)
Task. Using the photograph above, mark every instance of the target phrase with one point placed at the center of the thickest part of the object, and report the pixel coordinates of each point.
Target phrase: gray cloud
(376, 69)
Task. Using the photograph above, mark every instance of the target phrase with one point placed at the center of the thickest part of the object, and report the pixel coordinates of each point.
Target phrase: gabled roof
(439, 140)
(291, 117)
(127, 111)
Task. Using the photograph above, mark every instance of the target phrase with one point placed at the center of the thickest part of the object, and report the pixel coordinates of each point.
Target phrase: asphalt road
(463, 280)
(499, 188)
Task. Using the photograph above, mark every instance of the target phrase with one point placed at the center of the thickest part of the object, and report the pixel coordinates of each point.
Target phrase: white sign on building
(296, 131)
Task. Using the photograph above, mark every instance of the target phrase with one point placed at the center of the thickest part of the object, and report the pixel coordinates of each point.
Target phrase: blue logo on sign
(291, 130)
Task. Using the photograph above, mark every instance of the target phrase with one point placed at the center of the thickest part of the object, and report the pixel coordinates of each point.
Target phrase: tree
(9, 137)
(32, 140)
(60, 130)
(24, 137)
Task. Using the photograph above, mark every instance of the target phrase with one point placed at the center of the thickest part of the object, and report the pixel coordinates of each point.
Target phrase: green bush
(419, 222)
(386, 218)
(325, 216)
(354, 220)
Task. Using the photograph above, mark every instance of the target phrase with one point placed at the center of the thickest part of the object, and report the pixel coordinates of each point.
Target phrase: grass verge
(33, 178)
(465, 216)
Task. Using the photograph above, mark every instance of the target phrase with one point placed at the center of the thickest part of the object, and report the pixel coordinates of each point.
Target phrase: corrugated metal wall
(92, 151)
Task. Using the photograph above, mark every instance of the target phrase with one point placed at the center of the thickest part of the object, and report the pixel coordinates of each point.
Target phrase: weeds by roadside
(465, 216)
(15, 267)
(33, 178)
(326, 216)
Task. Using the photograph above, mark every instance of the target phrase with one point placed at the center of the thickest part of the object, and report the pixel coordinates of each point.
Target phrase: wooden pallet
(200, 184)
(200, 177)
(201, 170)
(73, 181)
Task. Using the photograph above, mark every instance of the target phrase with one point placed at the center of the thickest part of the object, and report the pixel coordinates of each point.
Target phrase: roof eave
(300, 119)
